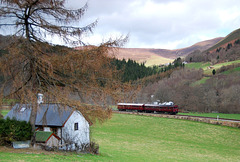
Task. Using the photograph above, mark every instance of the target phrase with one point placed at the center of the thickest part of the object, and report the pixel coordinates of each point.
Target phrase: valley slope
(162, 56)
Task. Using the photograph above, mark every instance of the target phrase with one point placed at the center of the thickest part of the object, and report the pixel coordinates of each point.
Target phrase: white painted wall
(80, 136)
(52, 142)
(46, 129)
(59, 132)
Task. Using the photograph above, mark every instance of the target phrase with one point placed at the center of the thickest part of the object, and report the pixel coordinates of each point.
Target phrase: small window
(54, 130)
(22, 109)
(75, 126)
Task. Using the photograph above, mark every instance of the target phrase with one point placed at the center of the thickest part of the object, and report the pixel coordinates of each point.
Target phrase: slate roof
(47, 114)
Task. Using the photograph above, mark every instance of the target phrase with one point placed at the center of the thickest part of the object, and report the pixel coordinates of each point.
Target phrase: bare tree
(36, 19)
(32, 66)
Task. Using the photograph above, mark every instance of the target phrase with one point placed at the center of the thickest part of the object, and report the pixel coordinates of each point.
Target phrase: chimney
(39, 98)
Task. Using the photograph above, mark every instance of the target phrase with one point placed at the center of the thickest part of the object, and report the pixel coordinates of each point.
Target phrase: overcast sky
(168, 24)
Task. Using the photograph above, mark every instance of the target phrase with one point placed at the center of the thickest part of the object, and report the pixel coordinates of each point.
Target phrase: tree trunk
(32, 119)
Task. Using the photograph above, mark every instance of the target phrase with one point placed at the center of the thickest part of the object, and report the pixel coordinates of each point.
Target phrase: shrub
(214, 72)
(13, 130)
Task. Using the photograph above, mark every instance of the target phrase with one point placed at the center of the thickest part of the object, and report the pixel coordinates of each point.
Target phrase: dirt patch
(31, 151)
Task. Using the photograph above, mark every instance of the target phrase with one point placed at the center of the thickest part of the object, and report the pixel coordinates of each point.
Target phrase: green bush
(13, 130)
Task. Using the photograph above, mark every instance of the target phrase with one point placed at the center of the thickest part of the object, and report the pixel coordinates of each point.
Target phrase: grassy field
(141, 138)
(214, 115)
(204, 66)
(198, 65)
(218, 66)
(231, 71)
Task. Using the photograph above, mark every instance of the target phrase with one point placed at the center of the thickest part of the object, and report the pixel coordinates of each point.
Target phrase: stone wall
(198, 119)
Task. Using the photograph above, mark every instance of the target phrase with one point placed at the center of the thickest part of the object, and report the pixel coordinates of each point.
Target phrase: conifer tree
(30, 66)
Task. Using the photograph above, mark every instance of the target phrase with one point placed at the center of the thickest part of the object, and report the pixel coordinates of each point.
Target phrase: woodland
(220, 93)
(194, 90)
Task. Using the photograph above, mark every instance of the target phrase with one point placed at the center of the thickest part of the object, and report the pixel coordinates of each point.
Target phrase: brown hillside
(229, 38)
(149, 56)
(199, 46)
(162, 56)
(223, 45)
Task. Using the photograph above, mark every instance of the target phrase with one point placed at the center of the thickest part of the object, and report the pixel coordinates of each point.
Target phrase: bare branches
(41, 18)
(74, 78)
(82, 79)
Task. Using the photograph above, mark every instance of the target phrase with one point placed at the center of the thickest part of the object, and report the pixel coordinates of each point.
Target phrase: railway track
(187, 117)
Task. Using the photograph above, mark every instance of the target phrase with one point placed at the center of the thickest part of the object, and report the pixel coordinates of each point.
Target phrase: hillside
(5, 41)
(196, 89)
(228, 49)
(162, 56)
(199, 46)
(147, 55)
(230, 38)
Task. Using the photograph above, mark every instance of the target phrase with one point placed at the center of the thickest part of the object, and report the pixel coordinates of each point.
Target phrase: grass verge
(214, 115)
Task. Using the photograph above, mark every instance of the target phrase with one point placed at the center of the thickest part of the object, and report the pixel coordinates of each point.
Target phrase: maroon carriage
(166, 107)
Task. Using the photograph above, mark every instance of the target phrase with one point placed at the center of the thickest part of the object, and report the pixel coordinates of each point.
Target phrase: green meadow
(208, 72)
(204, 66)
(141, 138)
(218, 66)
(231, 71)
(198, 65)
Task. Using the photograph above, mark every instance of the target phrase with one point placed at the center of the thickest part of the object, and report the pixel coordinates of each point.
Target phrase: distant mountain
(202, 46)
(149, 56)
(162, 56)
